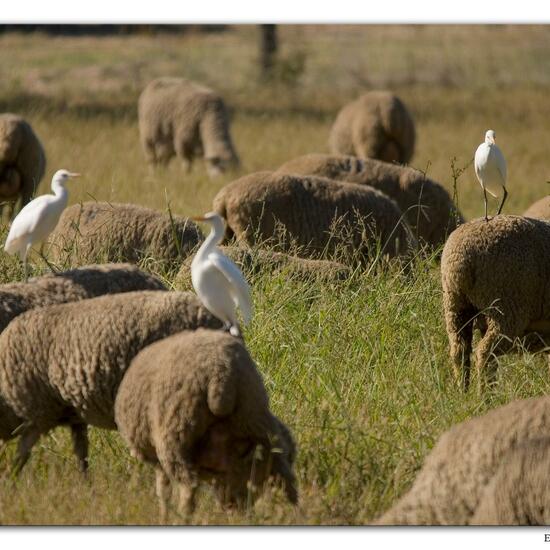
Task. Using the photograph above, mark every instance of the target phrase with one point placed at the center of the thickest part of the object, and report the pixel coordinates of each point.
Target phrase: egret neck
(214, 238)
(60, 191)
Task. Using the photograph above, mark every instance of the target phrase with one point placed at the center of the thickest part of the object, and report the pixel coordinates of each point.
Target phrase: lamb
(539, 209)
(452, 485)
(499, 270)
(180, 117)
(122, 232)
(58, 288)
(194, 405)
(427, 206)
(310, 210)
(257, 261)
(518, 493)
(62, 364)
(22, 160)
(376, 125)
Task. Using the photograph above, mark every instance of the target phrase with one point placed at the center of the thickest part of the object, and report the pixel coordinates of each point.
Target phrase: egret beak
(74, 175)
(198, 218)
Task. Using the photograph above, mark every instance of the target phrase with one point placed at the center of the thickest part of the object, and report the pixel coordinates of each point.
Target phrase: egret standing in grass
(38, 218)
(490, 168)
(218, 282)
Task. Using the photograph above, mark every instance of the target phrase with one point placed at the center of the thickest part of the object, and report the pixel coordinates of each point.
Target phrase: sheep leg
(493, 343)
(26, 442)
(163, 493)
(503, 200)
(187, 495)
(79, 436)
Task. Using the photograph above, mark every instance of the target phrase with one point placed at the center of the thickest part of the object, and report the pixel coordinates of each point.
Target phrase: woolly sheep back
(450, 485)
(22, 159)
(376, 125)
(428, 208)
(194, 405)
(307, 208)
(501, 270)
(539, 209)
(180, 117)
(122, 232)
(62, 364)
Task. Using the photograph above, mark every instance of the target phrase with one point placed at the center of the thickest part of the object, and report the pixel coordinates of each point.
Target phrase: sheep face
(10, 184)
(216, 166)
(239, 467)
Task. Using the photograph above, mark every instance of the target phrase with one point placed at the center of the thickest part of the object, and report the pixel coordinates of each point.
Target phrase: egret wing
(26, 222)
(501, 164)
(239, 286)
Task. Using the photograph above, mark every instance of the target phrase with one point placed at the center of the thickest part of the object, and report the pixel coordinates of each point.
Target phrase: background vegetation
(359, 369)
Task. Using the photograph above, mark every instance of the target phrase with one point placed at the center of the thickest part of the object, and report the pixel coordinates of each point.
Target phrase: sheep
(122, 232)
(194, 405)
(22, 160)
(258, 261)
(58, 288)
(499, 270)
(62, 364)
(428, 208)
(539, 209)
(451, 484)
(376, 125)
(69, 286)
(310, 210)
(180, 117)
(518, 493)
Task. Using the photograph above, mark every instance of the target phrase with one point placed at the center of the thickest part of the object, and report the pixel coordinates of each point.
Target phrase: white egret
(490, 168)
(38, 218)
(218, 282)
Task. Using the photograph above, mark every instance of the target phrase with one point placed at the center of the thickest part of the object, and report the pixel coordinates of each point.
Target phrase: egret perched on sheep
(490, 168)
(218, 282)
(38, 218)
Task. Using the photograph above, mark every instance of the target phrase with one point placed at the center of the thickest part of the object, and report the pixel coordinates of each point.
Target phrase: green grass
(358, 369)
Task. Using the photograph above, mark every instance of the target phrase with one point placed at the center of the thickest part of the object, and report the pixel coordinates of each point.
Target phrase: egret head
(214, 219)
(61, 176)
(490, 137)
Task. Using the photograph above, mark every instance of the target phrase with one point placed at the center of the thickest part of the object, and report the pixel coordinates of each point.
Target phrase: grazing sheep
(257, 261)
(376, 125)
(500, 270)
(180, 117)
(539, 209)
(519, 491)
(22, 160)
(428, 208)
(195, 406)
(59, 288)
(122, 232)
(316, 214)
(62, 364)
(456, 474)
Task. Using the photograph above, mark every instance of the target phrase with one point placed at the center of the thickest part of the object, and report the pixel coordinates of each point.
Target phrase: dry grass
(359, 369)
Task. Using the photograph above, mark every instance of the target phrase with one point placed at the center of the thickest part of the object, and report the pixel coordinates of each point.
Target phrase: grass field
(358, 369)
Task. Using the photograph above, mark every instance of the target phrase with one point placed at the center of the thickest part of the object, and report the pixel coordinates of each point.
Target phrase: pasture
(357, 369)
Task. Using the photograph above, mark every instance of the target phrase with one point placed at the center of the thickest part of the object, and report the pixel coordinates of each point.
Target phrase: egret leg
(25, 269)
(485, 199)
(503, 200)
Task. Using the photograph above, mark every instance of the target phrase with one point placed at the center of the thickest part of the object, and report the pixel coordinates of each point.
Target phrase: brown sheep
(60, 288)
(428, 208)
(194, 405)
(318, 215)
(519, 491)
(62, 364)
(500, 270)
(539, 209)
(22, 160)
(452, 484)
(180, 117)
(122, 232)
(376, 125)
